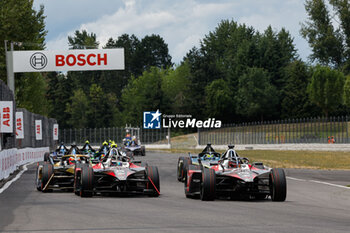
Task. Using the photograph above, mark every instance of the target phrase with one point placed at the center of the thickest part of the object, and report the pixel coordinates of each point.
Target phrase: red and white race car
(116, 173)
(232, 176)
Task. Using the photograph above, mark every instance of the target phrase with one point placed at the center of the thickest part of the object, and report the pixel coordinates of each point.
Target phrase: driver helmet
(105, 143)
(73, 144)
(114, 145)
(71, 160)
(133, 138)
(87, 142)
(210, 156)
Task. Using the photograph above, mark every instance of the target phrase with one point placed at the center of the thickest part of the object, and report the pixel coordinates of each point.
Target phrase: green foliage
(78, 109)
(83, 40)
(142, 94)
(219, 99)
(346, 95)
(326, 88)
(30, 94)
(256, 96)
(325, 41)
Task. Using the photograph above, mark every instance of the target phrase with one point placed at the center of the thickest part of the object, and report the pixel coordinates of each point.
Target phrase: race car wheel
(38, 177)
(208, 185)
(47, 171)
(180, 172)
(143, 151)
(46, 156)
(77, 176)
(278, 185)
(86, 181)
(186, 163)
(153, 175)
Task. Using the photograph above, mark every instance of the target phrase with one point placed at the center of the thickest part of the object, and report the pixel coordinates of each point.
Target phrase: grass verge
(291, 159)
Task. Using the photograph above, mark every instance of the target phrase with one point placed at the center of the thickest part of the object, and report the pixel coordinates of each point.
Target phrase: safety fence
(304, 130)
(27, 126)
(11, 159)
(97, 135)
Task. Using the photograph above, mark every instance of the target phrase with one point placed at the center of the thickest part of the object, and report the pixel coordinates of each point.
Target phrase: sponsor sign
(19, 125)
(55, 131)
(38, 130)
(68, 60)
(6, 116)
(152, 120)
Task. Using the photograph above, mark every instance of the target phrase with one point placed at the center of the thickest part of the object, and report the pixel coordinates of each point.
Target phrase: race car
(116, 174)
(58, 173)
(132, 147)
(232, 176)
(205, 158)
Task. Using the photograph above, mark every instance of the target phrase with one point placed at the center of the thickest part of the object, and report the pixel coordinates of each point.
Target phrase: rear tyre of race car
(153, 180)
(46, 156)
(47, 172)
(208, 185)
(180, 172)
(143, 151)
(278, 185)
(86, 181)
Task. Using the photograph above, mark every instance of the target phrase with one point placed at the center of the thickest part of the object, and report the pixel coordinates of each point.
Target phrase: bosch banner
(19, 125)
(38, 130)
(55, 132)
(68, 60)
(6, 116)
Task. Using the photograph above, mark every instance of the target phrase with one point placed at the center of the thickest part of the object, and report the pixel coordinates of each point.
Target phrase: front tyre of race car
(143, 151)
(47, 172)
(38, 177)
(186, 163)
(208, 185)
(77, 176)
(153, 180)
(46, 156)
(180, 172)
(278, 185)
(86, 181)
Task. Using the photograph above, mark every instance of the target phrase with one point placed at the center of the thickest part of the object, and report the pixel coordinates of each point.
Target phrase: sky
(182, 23)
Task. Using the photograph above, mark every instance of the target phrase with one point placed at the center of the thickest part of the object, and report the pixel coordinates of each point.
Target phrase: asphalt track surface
(310, 207)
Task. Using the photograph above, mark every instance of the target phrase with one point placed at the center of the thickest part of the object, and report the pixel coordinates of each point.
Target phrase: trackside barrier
(11, 159)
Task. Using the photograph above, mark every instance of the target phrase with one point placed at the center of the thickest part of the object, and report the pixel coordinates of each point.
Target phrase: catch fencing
(304, 130)
(97, 135)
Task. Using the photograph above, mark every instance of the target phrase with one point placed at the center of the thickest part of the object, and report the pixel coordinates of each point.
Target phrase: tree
(256, 96)
(78, 109)
(143, 93)
(326, 88)
(152, 51)
(346, 95)
(295, 104)
(83, 40)
(219, 98)
(325, 41)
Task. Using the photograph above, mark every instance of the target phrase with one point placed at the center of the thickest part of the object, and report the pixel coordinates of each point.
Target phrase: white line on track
(14, 179)
(319, 182)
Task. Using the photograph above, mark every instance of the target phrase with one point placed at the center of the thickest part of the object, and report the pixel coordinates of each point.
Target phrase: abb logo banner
(38, 130)
(55, 131)
(68, 60)
(19, 125)
(6, 116)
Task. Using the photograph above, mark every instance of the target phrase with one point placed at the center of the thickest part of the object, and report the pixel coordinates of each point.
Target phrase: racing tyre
(47, 172)
(208, 185)
(186, 163)
(153, 183)
(77, 176)
(38, 175)
(46, 157)
(143, 151)
(278, 185)
(86, 181)
(180, 172)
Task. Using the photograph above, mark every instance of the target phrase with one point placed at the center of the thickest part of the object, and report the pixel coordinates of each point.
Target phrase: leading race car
(232, 176)
(117, 173)
(132, 147)
(204, 158)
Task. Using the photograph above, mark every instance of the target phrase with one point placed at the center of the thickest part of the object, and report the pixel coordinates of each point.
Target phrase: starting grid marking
(319, 182)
